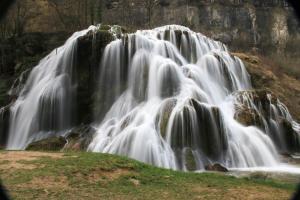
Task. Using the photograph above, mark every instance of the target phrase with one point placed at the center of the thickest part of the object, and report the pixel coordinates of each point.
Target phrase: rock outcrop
(266, 75)
(216, 167)
(269, 27)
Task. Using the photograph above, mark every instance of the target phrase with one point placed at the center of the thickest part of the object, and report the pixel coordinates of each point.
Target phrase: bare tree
(54, 4)
(65, 12)
(15, 20)
(20, 17)
(6, 29)
(150, 5)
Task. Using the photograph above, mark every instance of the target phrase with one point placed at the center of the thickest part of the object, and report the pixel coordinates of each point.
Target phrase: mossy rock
(190, 162)
(105, 27)
(164, 116)
(48, 144)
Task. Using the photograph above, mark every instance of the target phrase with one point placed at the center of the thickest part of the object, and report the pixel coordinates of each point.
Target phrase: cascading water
(167, 96)
(273, 118)
(44, 105)
(169, 102)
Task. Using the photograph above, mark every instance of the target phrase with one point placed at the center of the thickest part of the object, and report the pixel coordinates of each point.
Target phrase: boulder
(49, 144)
(216, 167)
(247, 116)
(79, 138)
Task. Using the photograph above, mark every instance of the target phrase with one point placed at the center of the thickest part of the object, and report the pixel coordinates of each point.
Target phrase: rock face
(20, 53)
(267, 75)
(266, 26)
(261, 108)
(89, 49)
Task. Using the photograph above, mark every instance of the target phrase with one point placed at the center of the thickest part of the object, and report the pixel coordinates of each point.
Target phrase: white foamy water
(166, 97)
(177, 108)
(280, 168)
(44, 105)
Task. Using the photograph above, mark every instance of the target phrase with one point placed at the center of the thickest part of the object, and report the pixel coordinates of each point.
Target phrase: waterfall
(44, 105)
(170, 100)
(169, 97)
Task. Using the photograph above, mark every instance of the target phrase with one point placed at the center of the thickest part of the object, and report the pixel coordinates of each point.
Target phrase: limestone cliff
(264, 26)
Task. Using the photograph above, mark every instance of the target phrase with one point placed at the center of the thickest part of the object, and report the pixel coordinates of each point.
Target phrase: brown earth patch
(10, 159)
(241, 192)
(257, 193)
(100, 175)
(47, 182)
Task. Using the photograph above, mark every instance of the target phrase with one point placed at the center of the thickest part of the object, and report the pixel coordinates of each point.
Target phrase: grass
(102, 176)
(281, 65)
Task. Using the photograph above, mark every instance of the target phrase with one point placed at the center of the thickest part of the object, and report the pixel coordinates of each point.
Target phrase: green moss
(190, 162)
(104, 27)
(165, 115)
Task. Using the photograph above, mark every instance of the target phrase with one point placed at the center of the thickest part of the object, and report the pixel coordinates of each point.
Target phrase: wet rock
(170, 83)
(247, 116)
(190, 162)
(48, 144)
(291, 137)
(79, 138)
(165, 115)
(4, 125)
(90, 46)
(216, 167)
(261, 99)
(212, 133)
(262, 109)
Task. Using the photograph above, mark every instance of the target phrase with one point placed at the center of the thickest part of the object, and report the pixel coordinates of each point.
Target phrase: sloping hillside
(40, 175)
